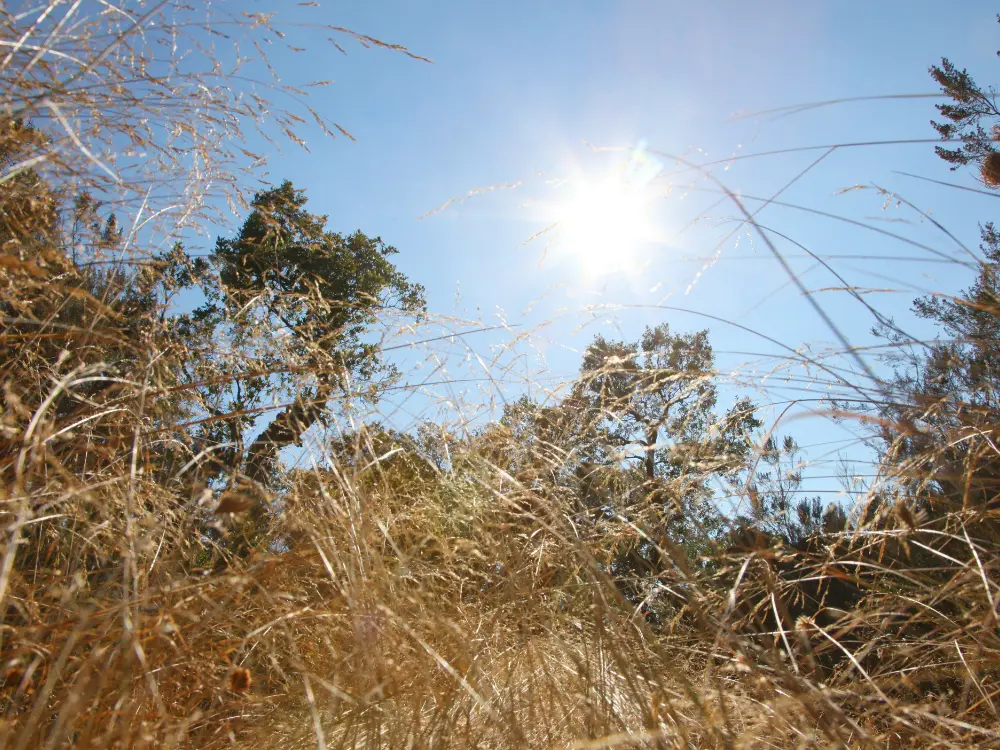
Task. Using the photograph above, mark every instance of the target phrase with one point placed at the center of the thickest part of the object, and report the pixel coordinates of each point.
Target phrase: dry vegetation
(167, 581)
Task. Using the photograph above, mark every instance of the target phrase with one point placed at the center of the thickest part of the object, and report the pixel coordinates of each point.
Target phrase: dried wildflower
(240, 681)
(990, 169)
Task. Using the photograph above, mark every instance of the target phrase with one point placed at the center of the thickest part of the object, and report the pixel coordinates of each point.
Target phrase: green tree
(971, 117)
(941, 402)
(541, 445)
(777, 508)
(295, 304)
(970, 106)
(651, 405)
(654, 403)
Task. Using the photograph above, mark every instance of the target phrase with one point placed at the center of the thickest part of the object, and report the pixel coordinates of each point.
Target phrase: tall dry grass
(460, 591)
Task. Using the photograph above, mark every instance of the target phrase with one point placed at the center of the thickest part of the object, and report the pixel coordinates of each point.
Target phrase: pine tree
(970, 117)
(295, 302)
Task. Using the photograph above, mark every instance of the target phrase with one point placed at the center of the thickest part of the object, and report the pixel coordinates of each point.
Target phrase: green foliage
(970, 106)
(286, 270)
(289, 297)
(659, 388)
(941, 400)
(652, 406)
(776, 507)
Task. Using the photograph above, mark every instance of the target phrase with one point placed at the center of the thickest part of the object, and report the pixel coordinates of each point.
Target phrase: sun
(603, 223)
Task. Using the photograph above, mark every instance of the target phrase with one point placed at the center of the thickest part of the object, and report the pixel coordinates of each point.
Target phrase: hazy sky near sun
(517, 90)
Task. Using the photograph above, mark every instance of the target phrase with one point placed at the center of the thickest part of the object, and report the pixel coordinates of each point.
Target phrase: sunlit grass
(455, 583)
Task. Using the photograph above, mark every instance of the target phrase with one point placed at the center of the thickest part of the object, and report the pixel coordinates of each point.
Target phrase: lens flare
(604, 222)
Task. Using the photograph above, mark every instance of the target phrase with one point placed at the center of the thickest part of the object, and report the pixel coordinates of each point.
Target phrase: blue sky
(517, 90)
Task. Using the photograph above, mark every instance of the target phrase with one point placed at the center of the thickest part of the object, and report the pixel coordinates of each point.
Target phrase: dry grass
(389, 597)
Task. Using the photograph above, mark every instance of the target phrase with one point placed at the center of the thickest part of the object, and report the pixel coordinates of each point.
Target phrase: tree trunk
(651, 454)
(286, 429)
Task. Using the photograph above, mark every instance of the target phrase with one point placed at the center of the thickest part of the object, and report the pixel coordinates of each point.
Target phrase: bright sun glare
(605, 222)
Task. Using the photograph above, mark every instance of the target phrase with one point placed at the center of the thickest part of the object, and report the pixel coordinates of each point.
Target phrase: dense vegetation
(629, 563)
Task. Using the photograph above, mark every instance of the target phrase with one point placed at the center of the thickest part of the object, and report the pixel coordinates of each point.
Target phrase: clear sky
(517, 90)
